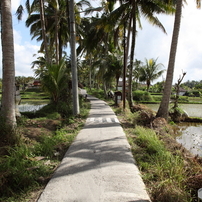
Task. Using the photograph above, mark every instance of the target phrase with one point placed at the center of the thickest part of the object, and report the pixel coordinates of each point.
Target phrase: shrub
(193, 93)
(142, 96)
(98, 93)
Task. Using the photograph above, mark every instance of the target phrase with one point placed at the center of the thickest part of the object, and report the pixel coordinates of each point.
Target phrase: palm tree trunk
(90, 73)
(164, 106)
(124, 68)
(8, 82)
(56, 33)
(76, 109)
(133, 16)
(43, 27)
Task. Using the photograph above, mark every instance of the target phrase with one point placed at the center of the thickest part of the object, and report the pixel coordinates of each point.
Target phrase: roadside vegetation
(34, 95)
(170, 172)
(41, 140)
(32, 146)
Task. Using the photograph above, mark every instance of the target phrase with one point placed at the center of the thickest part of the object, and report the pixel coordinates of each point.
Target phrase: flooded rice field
(188, 134)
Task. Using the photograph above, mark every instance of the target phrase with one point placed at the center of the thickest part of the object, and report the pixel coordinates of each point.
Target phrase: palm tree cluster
(105, 39)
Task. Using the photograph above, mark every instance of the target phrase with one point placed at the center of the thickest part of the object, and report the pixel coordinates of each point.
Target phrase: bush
(181, 98)
(98, 93)
(157, 97)
(193, 93)
(142, 96)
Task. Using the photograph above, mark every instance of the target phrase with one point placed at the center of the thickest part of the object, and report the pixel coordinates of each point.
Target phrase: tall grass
(28, 165)
(162, 171)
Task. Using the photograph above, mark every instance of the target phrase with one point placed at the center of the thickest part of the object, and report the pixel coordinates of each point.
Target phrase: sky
(151, 42)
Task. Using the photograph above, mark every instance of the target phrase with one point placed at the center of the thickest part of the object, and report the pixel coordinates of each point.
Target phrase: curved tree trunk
(164, 106)
(8, 82)
(130, 79)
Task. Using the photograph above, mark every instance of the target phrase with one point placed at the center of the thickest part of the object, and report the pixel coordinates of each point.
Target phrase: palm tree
(150, 71)
(164, 106)
(129, 12)
(54, 80)
(76, 109)
(8, 82)
(136, 71)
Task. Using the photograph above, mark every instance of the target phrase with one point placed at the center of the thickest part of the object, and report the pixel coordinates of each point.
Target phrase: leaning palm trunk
(164, 106)
(8, 82)
(133, 15)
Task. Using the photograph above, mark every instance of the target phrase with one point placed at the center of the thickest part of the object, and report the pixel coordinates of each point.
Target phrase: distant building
(182, 91)
(120, 85)
(36, 83)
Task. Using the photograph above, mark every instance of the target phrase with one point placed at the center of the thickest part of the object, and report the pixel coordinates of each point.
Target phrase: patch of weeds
(162, 171)
(18, 171)
(146, 138)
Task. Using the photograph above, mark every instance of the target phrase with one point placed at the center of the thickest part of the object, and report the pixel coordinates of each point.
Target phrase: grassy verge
(44, 137)
(171, 173)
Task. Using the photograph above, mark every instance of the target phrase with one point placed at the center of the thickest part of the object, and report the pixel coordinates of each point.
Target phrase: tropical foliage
(104, 37)
(150, 71)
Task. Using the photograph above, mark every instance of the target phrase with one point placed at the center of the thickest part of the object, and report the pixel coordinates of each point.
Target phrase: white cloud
(23, 46)
(24, 51)
(152, 43)
(23, 58)
(15, 4)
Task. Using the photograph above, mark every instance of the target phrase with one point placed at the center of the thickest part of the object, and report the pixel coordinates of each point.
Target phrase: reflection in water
(190, 134)
(30, 108)
(191, 137)
(193, 110)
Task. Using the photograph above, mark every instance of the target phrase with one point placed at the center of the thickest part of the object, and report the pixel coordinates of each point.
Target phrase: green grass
(162, 172)
(33, 94)
(27, 166)
(164, 169)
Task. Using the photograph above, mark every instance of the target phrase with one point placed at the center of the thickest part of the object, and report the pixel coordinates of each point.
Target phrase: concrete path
(99, 166)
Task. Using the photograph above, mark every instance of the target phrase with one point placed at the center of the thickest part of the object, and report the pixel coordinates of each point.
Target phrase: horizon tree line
(103, 41)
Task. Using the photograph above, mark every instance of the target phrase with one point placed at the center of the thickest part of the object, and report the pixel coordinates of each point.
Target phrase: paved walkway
(99, 166)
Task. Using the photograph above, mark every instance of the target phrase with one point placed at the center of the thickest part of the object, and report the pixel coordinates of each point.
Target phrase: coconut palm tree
(54, 80)
(150, 71)
(164, 106)
(128, 13)
(136, 71)
(8, 82)
(76, 108)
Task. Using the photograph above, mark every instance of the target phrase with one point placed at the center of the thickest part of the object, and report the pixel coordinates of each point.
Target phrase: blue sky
(151, 43)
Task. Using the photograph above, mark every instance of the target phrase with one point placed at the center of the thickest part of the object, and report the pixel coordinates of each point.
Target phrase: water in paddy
(189, 134)
(30, 107)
